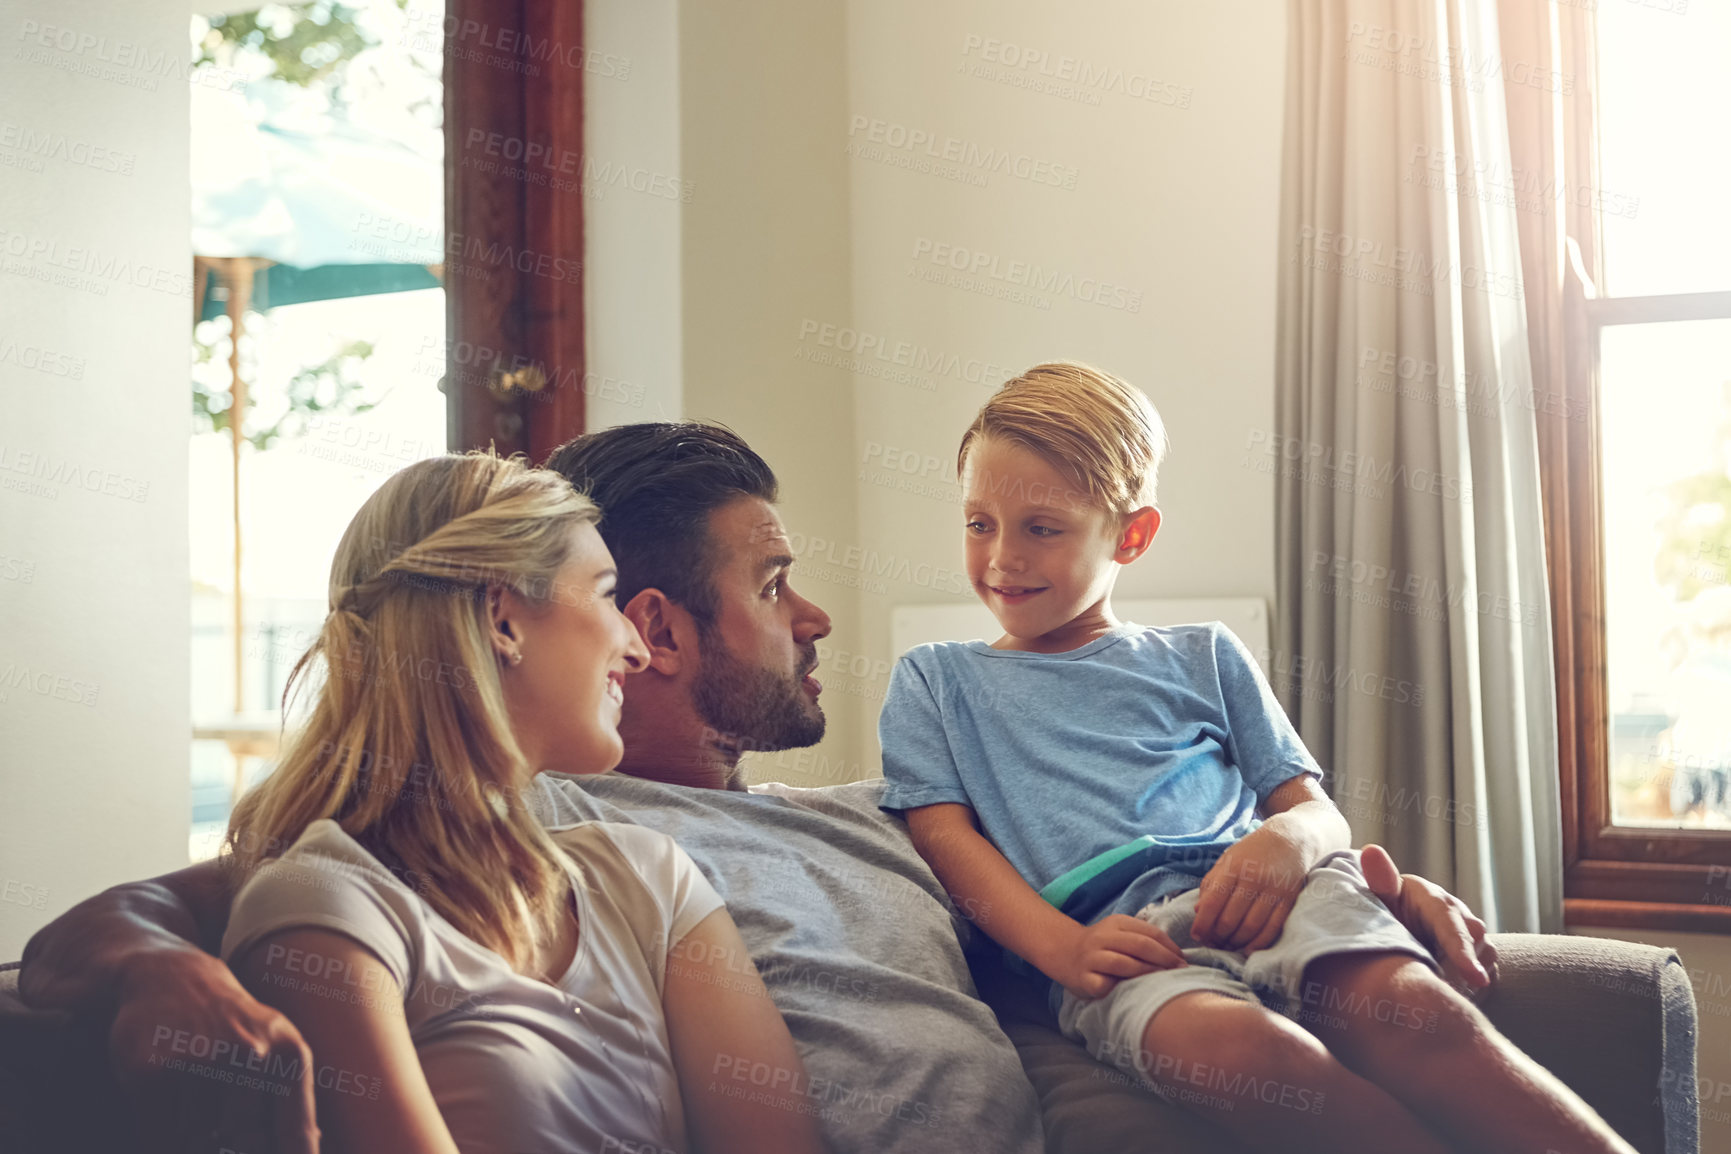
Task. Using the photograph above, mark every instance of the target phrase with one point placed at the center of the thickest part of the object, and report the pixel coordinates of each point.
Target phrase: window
(1650, 486)
(415, 325)
(318, 225)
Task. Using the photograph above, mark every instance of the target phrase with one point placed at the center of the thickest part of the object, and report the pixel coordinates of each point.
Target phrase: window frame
(1616, 876)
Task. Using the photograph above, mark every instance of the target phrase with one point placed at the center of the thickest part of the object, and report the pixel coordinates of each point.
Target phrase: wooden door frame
(513, 274)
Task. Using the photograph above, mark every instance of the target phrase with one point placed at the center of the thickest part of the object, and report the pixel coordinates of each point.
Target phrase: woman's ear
(505, 611)
(667, 629)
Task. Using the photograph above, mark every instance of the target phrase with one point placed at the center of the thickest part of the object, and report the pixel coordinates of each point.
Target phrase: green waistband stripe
(1058, 891)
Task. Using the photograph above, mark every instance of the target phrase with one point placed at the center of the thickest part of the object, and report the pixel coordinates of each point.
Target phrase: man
(854, 938)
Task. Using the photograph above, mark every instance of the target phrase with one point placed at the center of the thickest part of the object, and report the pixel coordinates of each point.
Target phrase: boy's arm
(1251, 889)
(138, 952)
(1086, 960)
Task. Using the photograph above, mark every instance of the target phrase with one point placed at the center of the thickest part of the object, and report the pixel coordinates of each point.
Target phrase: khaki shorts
(1335, 914)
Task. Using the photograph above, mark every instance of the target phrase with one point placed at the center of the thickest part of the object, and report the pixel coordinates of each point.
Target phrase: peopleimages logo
(104, 267)
(1069, 77)
(966, 153)
(52, 470)
(49, 145)
(865, 345)
(982, 266)
(1410, 270)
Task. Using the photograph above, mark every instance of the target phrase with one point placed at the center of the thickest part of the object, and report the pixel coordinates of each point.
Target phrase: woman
(466, 980)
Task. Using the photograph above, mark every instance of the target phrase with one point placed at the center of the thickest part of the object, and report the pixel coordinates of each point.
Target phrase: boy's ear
(667, 630)
(1138, 533)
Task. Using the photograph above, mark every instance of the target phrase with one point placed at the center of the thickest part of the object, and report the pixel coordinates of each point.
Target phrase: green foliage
(1695, 529)
(330, 388)
(305, 43)
(308, 44)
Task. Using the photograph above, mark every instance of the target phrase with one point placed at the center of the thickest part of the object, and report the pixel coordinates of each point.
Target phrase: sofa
(1614, 1020)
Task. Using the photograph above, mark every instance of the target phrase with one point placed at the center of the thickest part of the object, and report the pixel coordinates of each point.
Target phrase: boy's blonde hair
(1102, 431)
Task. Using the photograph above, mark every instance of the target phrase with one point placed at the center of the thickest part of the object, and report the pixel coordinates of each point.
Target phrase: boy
(1093, 787)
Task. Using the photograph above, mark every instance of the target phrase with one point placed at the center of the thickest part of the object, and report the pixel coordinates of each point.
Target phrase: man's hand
(1116, 947)
(1435, 917)
(185, 1033)
(1249, 892)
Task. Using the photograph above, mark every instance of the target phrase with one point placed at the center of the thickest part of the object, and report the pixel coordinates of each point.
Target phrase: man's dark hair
(657, 482)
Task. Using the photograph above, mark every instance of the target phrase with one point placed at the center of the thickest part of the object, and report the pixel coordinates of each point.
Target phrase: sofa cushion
(1615, 1021)
(56, 1093)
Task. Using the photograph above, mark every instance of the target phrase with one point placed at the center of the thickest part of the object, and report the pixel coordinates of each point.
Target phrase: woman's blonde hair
(408, 745)
(1102, 431)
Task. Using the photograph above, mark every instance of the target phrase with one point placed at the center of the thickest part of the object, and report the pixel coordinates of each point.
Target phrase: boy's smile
(1040, 552)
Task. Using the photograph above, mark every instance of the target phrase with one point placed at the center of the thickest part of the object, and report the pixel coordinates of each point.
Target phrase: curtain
(1553, 136)
(1413, 626)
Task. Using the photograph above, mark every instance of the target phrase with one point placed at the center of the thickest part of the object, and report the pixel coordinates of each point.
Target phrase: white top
(516, 1065)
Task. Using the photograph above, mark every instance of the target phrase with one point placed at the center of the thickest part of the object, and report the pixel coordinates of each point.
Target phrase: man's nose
(810, 623)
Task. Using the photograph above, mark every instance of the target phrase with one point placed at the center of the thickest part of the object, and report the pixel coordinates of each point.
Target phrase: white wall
(696, 300)
(805, 221)
(1167, 189)
(631, 306)
(95, 315)
(765, 236)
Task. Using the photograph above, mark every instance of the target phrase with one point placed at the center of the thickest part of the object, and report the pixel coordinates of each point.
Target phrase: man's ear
(1137, 534)
(667, 629)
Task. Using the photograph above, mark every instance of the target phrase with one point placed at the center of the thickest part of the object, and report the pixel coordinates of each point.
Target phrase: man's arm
(1087, 960)
(1436, 917)
(80, 961)
(143, 954)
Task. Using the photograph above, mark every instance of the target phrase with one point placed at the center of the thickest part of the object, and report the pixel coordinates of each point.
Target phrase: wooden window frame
(1619, 876)
(515, 359)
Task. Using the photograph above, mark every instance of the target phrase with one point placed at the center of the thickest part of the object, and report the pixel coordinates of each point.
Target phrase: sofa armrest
(1615, 1021)
(56, 1092)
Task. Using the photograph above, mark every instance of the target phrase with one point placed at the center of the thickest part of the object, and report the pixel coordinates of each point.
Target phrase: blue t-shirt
(1170, 735)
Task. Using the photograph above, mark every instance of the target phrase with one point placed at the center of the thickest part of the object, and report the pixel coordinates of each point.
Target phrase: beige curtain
(1414, 641)
(1553, 136)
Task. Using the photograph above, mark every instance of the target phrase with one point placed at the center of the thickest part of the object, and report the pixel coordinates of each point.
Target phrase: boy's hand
(1249, 892)
(1116, 947)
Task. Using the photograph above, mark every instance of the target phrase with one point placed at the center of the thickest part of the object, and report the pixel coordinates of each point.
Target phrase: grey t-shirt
(860, 949)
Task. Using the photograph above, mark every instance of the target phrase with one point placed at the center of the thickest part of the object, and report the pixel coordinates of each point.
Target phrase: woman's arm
(725, 1032)
(1087, 960)
(372, 1093)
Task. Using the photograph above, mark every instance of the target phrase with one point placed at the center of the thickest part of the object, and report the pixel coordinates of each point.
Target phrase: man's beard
(751, 707)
